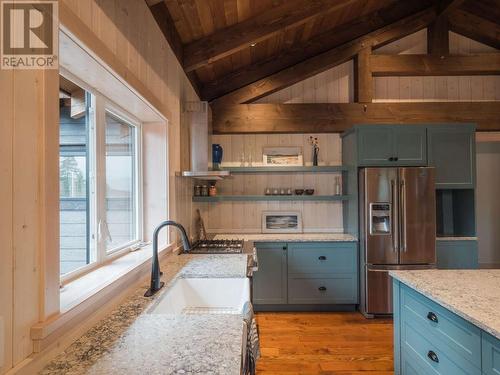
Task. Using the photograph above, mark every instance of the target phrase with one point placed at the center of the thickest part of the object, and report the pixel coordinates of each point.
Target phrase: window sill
(84, 296)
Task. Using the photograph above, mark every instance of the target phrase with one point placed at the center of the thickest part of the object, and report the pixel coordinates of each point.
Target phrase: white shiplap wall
(245, 217)
(332, 86)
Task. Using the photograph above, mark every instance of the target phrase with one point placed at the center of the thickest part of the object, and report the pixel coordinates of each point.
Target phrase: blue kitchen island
(446, 322)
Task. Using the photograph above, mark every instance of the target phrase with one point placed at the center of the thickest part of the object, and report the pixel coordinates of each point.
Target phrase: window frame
(96, 163)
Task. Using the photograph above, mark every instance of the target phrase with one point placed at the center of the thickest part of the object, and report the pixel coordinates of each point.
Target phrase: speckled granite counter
(289, 237)
(130, 341)
(472, 294)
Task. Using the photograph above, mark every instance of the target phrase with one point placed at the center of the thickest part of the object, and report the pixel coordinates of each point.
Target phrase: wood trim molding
(329, 59)
(92, 42)
(336, 118)
(432, 65)
(241, 35)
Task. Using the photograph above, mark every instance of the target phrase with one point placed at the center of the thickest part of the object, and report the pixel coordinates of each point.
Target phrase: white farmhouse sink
(204, 296)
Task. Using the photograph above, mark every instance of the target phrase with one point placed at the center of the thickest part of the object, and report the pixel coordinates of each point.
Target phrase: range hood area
(198, 118)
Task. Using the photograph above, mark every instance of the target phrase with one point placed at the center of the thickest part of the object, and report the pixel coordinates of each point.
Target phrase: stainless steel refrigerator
(398, 229)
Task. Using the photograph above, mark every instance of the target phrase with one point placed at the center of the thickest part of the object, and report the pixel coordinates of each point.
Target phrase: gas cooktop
(217, 247)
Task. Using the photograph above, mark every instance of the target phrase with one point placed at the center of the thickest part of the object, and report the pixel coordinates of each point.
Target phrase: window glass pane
(73, 178)
(121, 210)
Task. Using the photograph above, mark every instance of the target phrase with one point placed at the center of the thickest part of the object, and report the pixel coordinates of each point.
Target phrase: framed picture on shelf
(282, 156)
(281, 222)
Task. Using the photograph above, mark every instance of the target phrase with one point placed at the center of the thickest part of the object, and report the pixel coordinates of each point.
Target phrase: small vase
(315, 156)
(217, 153)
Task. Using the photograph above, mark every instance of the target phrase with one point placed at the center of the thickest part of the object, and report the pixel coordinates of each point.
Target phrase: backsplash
(246, 216)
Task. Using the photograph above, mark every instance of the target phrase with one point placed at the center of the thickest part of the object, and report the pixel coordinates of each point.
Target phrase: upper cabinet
(392, 145)
(451, 149)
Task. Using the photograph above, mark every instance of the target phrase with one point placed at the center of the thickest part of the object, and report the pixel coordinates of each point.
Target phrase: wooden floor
(324, 343)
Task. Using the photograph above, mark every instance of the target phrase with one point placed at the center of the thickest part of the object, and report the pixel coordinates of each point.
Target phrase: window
(121, 181)
(99, 171)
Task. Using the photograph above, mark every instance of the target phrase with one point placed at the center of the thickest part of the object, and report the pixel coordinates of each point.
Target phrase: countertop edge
(446, 305)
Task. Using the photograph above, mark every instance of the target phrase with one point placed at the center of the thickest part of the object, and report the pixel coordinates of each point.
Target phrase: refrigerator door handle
(403, 215)
(394, 214)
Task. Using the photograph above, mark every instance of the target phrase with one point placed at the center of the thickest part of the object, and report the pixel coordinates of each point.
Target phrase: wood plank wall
(245, 217)
(126, 31)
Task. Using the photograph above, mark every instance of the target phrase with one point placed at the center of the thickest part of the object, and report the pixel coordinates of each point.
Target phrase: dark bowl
(309, 191)
(299, 191)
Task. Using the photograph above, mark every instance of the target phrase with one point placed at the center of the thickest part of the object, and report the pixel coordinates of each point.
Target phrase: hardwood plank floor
(324, 343)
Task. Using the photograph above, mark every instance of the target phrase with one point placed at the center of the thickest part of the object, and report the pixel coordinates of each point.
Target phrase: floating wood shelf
(309, 169)
(222, 198)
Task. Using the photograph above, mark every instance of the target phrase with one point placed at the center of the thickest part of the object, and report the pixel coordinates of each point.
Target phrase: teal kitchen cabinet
(392, 145)
(301, 275)
(451, 150)
(322, 273)
(457, 254)
(491, 355)
(270, 281)
(430, 339)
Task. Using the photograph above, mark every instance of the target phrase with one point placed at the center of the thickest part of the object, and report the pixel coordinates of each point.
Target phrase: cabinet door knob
(322, 257)
(433, 356)
(395, 158)
(322, 288)
(391, 159)
(432, 317)
(284, 247)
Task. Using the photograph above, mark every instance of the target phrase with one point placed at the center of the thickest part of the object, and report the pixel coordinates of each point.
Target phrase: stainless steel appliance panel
(378, 297)
(380, 221)
(417, 197)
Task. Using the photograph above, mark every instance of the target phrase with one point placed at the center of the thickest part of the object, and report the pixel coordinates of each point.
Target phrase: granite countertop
(131, 341)
(289, 237)
(472, 294)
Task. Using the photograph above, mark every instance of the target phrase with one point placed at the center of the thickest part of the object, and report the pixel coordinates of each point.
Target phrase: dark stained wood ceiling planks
(213, 39)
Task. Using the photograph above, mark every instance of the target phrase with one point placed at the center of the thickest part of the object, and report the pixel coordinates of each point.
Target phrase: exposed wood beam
(78, 107)
(447, 6)
(438, 41)
(166, 24)
(335, 118)
(241, 35)
(363, 90)
(317, 45)
(429, 65)
(475, 27)
(329, 59)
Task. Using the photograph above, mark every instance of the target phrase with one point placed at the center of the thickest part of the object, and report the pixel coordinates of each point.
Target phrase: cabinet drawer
(322, 258)
(417, 353)
(340, 289)
(441, 326)
(491, 354)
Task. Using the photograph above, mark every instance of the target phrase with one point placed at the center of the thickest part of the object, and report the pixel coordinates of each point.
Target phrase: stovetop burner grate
(218, 247)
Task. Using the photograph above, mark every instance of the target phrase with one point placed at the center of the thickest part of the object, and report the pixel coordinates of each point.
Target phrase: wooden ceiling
(227, 45)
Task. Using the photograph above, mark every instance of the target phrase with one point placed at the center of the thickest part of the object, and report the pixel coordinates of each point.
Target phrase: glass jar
(204, 191)
(212, 191)
(197, 191)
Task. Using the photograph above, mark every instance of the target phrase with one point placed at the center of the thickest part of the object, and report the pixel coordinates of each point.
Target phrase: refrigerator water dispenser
(380, 218)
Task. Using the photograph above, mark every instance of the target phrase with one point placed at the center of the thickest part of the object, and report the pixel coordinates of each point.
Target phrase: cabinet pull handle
(322, 257)
(432, 317)
(395, 158)
(391, 159)
(284, 247)
(322, 288)
(433, 356)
